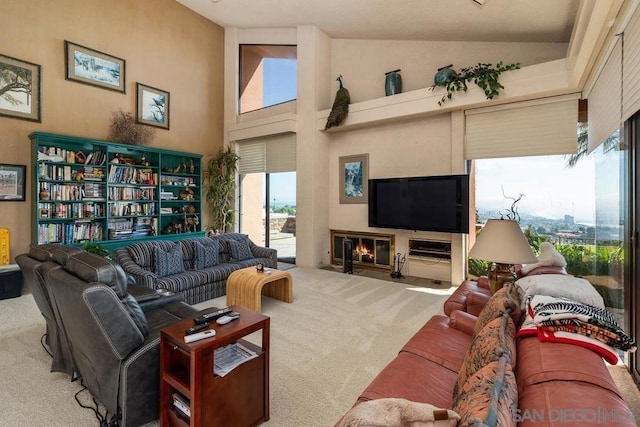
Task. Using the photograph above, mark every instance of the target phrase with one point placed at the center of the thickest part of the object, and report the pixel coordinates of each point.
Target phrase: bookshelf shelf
(110, 193)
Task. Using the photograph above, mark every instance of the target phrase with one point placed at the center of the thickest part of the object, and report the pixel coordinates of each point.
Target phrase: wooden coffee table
(246, 286)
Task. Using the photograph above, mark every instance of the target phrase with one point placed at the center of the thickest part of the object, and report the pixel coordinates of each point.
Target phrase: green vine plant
(483, 75)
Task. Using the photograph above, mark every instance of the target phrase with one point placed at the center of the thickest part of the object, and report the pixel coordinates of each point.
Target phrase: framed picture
(19, 89)
(88, 66)
(44, 213)
(152, 106)
(354, 176)
(12, 183)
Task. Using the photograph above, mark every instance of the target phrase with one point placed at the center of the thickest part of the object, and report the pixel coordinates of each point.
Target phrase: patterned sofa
(197, 268)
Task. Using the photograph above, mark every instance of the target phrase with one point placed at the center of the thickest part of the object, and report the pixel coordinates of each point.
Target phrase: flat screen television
(428, 203)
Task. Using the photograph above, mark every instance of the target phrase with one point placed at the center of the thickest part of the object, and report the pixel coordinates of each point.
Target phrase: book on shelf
(181, 404)
(229, 357)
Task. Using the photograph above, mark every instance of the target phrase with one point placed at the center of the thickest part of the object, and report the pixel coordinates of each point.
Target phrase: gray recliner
(56, 339)
(113, 342)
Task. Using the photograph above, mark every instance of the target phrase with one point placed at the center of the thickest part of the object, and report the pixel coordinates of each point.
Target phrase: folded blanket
(564, 315)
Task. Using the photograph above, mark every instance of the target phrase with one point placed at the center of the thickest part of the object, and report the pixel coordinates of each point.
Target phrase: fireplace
(369, 249)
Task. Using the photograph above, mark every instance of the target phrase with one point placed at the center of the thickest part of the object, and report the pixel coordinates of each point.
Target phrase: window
(268, 76)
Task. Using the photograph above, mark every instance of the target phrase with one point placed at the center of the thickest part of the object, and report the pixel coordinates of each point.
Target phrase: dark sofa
(205, 263)
(112, 338)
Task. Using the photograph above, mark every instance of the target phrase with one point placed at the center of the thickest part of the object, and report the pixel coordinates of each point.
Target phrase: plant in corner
(220, 184)
(484, 75)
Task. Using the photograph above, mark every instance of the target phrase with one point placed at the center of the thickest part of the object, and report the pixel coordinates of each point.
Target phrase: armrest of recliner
(462, 321)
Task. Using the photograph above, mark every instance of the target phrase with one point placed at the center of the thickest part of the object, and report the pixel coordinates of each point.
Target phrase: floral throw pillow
(239, 250)
(167, 263)
(206, 254)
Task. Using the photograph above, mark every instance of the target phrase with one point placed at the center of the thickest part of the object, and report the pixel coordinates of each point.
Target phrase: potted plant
(484, 75)
(220, 185)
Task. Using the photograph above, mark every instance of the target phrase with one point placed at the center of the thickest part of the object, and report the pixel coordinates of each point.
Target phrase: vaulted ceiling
(436, 20)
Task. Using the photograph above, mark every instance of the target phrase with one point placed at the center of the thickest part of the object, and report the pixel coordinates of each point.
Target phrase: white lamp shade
(502, 241)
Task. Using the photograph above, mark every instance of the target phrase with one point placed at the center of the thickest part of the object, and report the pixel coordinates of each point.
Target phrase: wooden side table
(246, 286)
(240, 398)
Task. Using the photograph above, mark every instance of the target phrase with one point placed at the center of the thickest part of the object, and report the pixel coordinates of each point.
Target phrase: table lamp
(502, 242)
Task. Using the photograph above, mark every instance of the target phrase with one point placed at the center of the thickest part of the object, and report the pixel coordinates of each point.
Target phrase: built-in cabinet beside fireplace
(371, 250)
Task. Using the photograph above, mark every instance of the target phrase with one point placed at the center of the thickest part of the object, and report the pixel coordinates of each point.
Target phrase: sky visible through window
(551, 190)
(280, 85)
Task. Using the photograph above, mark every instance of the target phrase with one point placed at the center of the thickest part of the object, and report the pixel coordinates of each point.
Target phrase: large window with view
(578, 203)
(268, 76)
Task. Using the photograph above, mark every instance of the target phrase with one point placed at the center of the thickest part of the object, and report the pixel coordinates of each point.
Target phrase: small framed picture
(152, 106)
(19, 89)
(44, 213)
(354, 179)
(12, 183)
(88, 66)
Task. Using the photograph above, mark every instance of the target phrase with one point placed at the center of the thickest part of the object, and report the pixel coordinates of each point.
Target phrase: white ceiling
(436, 20)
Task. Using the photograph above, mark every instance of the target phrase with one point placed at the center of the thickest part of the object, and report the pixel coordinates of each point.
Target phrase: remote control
(211, 316)
(228, 318)
(209, 333)
(194, 329)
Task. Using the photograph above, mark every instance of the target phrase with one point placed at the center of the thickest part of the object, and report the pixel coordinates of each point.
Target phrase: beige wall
(363, 63)
(165, 45)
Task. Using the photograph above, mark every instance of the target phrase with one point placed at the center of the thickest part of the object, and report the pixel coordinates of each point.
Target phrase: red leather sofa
(545, 384)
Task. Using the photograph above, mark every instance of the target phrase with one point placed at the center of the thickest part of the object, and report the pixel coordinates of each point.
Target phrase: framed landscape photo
(12, 183)
(152, 106)
(88, 66)
(19, 89)
(354, 178)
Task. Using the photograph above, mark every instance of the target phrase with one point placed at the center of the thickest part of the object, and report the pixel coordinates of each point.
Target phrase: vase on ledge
(393, 83)
(444, 75)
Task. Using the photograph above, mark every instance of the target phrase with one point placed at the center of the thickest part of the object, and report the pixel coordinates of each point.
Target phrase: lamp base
(499, 275)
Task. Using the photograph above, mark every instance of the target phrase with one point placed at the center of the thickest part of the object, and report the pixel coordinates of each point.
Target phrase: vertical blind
(631, 66)
(604, 99)
(270, 154)
(531, 128)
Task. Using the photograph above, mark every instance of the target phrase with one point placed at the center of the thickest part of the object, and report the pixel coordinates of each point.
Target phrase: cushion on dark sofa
(43, 252)
(239, 250)
(94, 268)
(62, 253)
(135, 311)
(205, 254)
(167, 262)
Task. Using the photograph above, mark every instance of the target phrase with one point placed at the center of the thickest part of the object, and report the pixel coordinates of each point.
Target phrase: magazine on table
(226, 358)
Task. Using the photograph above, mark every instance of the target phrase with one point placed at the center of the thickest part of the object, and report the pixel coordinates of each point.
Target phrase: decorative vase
(393, 83)
(444, 75)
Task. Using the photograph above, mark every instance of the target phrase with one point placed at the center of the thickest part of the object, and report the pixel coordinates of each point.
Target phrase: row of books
(130, 193)
(130, 175)
(63, 155)
(70, 210)
(70, 232)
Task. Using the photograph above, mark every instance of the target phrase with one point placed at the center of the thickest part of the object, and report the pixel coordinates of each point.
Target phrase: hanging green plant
(483, 75)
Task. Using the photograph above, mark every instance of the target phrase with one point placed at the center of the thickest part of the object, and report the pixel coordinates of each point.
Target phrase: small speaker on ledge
(347, 256)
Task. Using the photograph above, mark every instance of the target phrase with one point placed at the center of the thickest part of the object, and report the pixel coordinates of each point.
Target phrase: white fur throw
(548, 256)
(398, 413)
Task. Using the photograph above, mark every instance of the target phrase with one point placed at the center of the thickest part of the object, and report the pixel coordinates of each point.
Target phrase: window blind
(531, 128)
(604, 99)
(270, 154)
(631, 64)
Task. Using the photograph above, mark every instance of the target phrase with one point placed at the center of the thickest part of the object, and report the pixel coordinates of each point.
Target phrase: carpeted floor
(325, 348)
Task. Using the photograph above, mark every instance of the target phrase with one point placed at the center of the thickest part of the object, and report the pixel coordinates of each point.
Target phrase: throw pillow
(398, 412)
(489, 397)
(496, 338)
(239, 250)
(206, 254)
(167, 263)
(560, 286)
(500, 302)
(548, 256)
